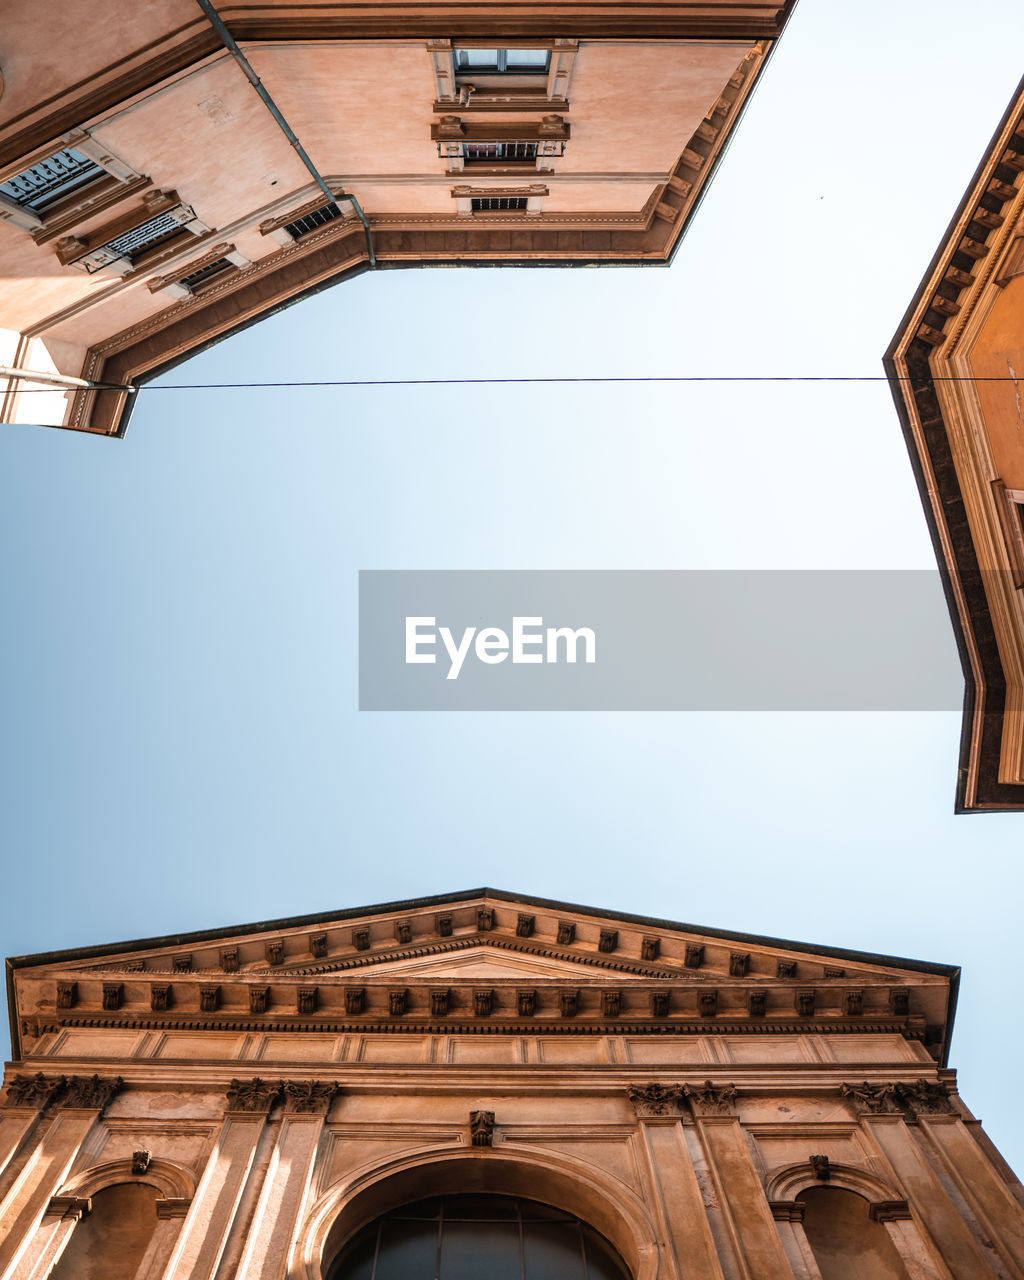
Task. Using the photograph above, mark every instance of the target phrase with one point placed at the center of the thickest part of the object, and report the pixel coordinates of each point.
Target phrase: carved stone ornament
(439, 1001)
(707, 1003)
(853, 1003)
(113, 995)
(33, 1091)
(757, 1003)
(209, 999)
(306, 999)
(398, 1000)
(481, 1128)
(611, 1002)
(444, 925)
(831, 972)
(568, 1003)
(310, 1096)
(182, 964)
(524, 925)
(871, 1099)
(484, 919)
(656, 1099)
(355, 998)
(91, 1091)
(160, 997)
(275, 952)
(483, 1002)
(566, 933)
(318, 945)
(924, 1097)
(526, 1003)
(650, 948)
(694, 957)
(739, 963)
(229, 959)
(259, 999)
(141, 1160)
(608, 940)
(899, 1001)
(253, 1095)
(66, 993)
(821, 1168)
(711, 1100)
(804, 1003)
(403, 931)
(659, 1004)
(785, 969)
(361, 939)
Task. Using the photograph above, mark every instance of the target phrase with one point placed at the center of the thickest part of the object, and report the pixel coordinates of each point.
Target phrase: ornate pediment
(487, 959)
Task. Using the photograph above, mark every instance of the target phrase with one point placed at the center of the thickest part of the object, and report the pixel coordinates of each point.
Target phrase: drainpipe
(229, 43)
(61, 380)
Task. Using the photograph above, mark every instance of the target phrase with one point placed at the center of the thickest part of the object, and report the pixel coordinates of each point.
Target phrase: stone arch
(602, 1202)
(170, 1180)
(787, 1183)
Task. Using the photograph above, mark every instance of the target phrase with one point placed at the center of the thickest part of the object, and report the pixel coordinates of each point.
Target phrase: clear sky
(181, 745)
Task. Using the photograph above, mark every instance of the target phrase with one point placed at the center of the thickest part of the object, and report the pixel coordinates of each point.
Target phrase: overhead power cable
(562, 380)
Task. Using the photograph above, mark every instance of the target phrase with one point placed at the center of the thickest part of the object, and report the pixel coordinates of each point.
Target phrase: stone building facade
(305, 1100)
(169, 174)
(956, 367)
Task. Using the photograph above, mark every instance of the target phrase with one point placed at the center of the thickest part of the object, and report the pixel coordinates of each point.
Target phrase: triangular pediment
(484, 954)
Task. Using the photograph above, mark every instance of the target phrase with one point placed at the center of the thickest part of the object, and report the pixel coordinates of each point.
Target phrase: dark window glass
(199, 277)
(498, 204)
(498, 62)
(497, 152)
(51, 179)
(477, 1237)
(310, 221)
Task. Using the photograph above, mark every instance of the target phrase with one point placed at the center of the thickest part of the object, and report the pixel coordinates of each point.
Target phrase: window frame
(114, 182)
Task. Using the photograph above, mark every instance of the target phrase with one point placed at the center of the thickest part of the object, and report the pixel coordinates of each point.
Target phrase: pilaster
(963, 1162)
(203, 1238)
(882, 1118)
(284, 1189)
(80, 1102)
(677, 1198)
(755, 1236)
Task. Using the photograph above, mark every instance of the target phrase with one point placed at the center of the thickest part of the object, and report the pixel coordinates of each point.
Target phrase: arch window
(847, 1244)
(110, 1242)
(467, 1237)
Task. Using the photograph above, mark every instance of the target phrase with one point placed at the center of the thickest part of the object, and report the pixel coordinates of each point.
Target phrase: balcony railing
(500, 152)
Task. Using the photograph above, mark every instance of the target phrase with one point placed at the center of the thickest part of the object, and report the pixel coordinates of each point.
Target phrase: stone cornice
(497, 1026)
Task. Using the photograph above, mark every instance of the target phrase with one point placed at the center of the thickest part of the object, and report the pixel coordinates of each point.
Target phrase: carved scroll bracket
(909, 1099)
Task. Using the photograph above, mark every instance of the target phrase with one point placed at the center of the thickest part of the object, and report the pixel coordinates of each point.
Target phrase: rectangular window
(499, 204)
(498, 152)
(310, 221)
(492, 62)
(196, 279)
(44, 184)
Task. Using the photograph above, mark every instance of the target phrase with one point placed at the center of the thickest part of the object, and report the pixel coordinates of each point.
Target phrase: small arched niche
(847, 1243)
(468, 1236)
(110, 1242)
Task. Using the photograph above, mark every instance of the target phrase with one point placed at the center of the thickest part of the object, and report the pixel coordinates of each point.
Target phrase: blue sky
(181, 745)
